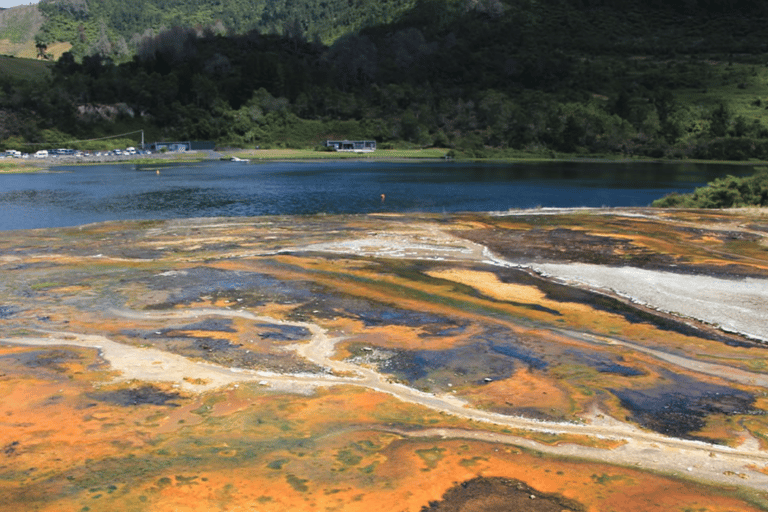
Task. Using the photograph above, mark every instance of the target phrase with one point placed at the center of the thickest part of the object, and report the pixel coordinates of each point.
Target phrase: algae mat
(548, 360)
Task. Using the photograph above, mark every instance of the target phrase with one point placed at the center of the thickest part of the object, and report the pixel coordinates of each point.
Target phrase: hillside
(18, 26)
(481, 77)
(21, 69)
(117, 29)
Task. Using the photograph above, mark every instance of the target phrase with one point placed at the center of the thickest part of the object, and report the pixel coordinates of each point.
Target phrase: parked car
(41, 154)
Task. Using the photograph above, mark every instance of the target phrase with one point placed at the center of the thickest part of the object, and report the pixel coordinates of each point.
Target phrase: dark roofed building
(355, 146)
(189, 145)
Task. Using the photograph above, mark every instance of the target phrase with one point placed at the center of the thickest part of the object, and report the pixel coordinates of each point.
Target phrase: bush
(728, 192)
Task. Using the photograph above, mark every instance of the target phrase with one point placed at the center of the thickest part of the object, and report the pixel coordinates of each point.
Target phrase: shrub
(728, 192)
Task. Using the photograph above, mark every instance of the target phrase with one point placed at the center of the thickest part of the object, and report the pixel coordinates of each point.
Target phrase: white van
(13, 153)
(41, 154)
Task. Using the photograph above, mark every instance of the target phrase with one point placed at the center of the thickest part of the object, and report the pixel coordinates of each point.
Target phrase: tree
(102, 45)
(719, 121)
(355, 59)
(41, 44)
(740, 126)
(572, 134)
(495, 111)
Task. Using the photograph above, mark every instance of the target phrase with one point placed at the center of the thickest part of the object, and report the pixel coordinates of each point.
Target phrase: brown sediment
(498, 495)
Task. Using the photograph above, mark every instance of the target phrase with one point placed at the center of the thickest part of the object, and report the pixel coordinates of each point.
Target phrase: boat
(236, 159)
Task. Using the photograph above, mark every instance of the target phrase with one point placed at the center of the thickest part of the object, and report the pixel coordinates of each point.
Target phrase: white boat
(235, 159)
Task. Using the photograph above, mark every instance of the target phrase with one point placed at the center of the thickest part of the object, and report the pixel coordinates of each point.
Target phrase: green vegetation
(468, 463)
(315, 154)
(117, 29)
(728, 192)
(16, 69)
(19, 24)
(16, 167)
(277, 464)
(431, 457)
(348, 458)
(479, 78)
(298, 484)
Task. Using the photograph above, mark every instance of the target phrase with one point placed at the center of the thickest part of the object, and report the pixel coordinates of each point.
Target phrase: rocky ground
(557, 360)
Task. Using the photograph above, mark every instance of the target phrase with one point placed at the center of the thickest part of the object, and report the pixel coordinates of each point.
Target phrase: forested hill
(674, 79)
(117, 28)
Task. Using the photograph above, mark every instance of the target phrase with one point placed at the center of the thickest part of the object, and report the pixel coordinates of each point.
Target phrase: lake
(75, 195)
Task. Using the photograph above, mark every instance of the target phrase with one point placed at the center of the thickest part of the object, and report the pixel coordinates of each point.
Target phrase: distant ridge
(116, 28)
(478, 77)
(18, 27)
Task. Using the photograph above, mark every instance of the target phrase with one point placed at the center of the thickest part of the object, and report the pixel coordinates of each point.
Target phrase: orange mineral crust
(281, 452)
(387, 362)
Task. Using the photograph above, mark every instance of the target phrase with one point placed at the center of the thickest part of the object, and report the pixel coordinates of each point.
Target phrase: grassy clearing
(14, 167)
(190, 157)
(27, 50)
(19, 24)
(743, 88)
(166, 159)
(24, 69)
(311, 154)
(139, 160)
(412, 153)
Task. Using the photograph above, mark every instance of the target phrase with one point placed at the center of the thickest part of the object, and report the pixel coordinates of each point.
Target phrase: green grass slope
(22, 69)
(18, 27)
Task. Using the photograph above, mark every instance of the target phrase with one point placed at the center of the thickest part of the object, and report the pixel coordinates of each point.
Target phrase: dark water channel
(76, 195)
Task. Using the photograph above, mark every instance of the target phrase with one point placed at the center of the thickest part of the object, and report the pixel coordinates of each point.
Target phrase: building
(189, 145)
(355, 146)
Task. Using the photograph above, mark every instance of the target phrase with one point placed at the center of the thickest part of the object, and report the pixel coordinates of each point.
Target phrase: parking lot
(77, 155)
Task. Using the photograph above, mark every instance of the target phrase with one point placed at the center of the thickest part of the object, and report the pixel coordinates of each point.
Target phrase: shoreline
(14, 166)
(432, 154)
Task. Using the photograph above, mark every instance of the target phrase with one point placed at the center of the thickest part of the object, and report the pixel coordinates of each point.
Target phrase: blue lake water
(76, 195)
